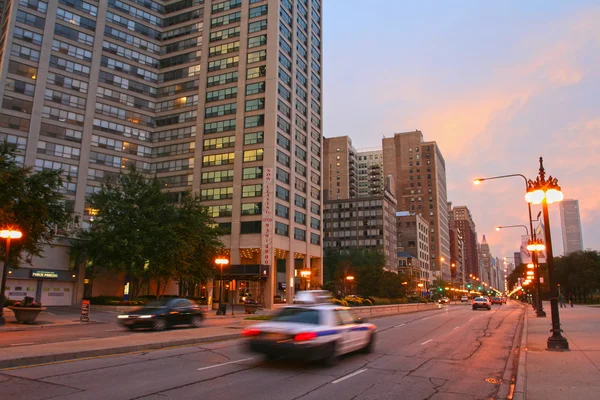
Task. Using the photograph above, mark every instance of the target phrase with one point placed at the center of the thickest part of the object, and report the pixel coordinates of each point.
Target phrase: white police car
(317, 331)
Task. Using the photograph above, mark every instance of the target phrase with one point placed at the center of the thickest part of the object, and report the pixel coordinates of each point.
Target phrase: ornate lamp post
(221, 261)
(7, 234)
(547, 191)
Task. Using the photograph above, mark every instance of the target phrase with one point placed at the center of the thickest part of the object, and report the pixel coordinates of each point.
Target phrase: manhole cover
(492, 380)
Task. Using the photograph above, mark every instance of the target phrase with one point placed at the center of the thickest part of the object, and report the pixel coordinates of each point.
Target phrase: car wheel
(331, 357)
(130, 328)
(159, 325)
(489, 308)
(197, 321)
(474, 308)
(369, 346)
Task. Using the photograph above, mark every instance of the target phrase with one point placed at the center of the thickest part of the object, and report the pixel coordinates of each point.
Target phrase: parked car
(162, 314)
(464, 299)
(481, 302)
(311, 332)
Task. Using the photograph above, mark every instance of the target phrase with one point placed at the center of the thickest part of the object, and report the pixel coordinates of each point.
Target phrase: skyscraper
(571, 226)
(339, 168)
(419, 171)
(222, 98)
(463, 220)
(370, 172)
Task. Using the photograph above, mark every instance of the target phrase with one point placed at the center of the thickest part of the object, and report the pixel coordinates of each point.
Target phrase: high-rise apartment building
(570, 221)
(370, 172)
(222, 98)
(339, 168)
(462, 219)
(413, 239)
(419, 171)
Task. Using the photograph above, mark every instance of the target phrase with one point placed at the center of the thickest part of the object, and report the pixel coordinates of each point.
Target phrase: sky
(495, 84)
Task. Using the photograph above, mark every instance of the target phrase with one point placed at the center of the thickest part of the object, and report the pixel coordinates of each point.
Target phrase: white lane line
(423, 319)
(85, 338)
(399, 325)
(343, 378)
(22, 344)
(471, 319)
(220, 365)
(456, 327)
(426, 342)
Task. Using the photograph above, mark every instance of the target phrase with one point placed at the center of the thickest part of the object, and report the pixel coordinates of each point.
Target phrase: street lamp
(305, 275)
(547, 191)
(539, 308)
(221, 262)
(7, 234)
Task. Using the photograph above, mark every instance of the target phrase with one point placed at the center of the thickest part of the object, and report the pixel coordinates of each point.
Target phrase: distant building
(485, 262)
(571, 226)
(370, 172)
(419, 171)
(461, 218)
(413, 239)
(363, 223)
(339, 169)
(517, 257)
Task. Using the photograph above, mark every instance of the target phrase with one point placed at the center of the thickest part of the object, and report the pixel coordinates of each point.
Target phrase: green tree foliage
(30, 202)
(136, 231)
(367, 268)
(579, 273)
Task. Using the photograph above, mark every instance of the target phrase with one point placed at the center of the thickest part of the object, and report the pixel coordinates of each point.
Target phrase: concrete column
(270, 284)
(209, 292)
(289, 277)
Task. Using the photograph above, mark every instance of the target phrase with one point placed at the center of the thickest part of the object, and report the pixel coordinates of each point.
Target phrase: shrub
(103, 300)
(339, 302)
(27, 302)
(8, 302)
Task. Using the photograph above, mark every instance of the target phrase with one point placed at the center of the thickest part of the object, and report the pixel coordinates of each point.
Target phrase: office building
(517, 257)
(419, 171)
(462, 219)
(367, 223)
(570, 221)
(339, 168)
(485, 272)
(413, 247)
(222, 98)
(370, 172)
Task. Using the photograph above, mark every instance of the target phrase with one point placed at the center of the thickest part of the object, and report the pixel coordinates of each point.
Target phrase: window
(222, 94)
(281, 229)
(217, 176)
(254, 121)
(220, 211)
(252, 190)
(219, 111)
(218, 159)
(250, 227)
(219, 143)
(252, 173)
(257, 56)
(216, 193)
(300, 234)
(253, 138)
(257, 11)
(315, 239)
(300, 218)
(282, 193)
(315, 208)
(256, 72)
(300, 201)
(282, 176)
(257, 26)
(225, 34)
(282, 141)
(256, 41)
(221, 126)
(283, 158)
(254, 88)
(225, 19)
(315, 223)
(253, 155)
(255, 104)
(282, 211)
(251, 209)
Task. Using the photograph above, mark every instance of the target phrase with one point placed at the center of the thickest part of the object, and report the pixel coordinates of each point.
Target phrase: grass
(259, 318)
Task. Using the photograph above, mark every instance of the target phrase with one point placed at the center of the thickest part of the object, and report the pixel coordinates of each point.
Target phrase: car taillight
(301, 337)
(250, 332)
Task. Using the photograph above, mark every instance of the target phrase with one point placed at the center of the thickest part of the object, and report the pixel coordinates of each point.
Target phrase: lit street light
(7, 234)
(221, 262)
(547, 191)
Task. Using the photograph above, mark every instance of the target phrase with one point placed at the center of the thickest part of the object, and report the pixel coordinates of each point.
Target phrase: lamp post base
(556, 342)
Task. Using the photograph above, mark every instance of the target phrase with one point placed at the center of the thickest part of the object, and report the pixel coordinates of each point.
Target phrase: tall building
(570, 221)
(517, 257)
(419, 171)
(222, 98)
(339, 168)
(413, 239)
(367, 223)
(485, 273)
(370, 172)
(463, 220)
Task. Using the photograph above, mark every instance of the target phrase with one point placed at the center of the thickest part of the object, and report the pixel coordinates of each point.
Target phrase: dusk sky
(495, 84)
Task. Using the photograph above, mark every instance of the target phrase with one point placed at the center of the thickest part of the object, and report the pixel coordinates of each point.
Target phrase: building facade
(339, 168)
(370, 172)
(363, 223)
(419, 171)
(570, 220)
(485, 273)
(462, 219)
(413, 239)
(222, 98)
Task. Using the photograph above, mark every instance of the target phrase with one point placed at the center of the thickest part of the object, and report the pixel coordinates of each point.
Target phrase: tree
(31, 202)
(136, 231)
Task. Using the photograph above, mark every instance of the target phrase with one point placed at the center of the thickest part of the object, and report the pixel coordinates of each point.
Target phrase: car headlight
(122, 316)
(146, 316)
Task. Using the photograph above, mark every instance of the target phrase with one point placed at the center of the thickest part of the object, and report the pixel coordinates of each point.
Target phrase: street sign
(85, 311)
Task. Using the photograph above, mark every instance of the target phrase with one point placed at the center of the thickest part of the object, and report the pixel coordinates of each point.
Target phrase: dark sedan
(162, 314)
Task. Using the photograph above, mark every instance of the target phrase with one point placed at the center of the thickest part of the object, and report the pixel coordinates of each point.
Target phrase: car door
(347, 326)
(184, 308)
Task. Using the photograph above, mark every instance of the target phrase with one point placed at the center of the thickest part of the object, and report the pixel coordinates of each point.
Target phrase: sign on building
(268, 205)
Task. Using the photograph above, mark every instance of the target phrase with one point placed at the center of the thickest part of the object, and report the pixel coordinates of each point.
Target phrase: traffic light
(468, 286)
(478, 287)
(440, 289)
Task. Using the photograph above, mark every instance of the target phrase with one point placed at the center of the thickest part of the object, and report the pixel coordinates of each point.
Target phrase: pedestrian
(571, 299)
(561, 300)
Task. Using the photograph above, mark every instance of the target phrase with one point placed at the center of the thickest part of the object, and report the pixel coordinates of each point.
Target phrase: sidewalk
(548, 375)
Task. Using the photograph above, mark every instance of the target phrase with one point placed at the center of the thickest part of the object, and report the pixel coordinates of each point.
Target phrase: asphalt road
(441, 354)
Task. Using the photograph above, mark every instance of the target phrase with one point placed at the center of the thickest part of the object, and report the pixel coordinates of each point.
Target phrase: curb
(54, 358)
(521, 379)
(29, 327)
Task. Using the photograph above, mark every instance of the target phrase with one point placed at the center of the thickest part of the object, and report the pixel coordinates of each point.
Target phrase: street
(449, 353)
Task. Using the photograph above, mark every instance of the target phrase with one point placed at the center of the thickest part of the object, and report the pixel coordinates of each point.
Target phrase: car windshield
(299, 315)
(161, 303)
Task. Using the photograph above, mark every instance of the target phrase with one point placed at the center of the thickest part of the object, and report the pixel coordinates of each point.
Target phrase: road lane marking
(471, 319)
(22, 344)
(343, 378)
(220, 365)
(399, 325)
(426, 342)
(456, 327)
(423, 319)
(85, 338)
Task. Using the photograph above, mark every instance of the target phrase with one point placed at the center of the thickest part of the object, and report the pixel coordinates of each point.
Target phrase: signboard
(266, 254)
(85, 311)
(526, 254)
(36, 273)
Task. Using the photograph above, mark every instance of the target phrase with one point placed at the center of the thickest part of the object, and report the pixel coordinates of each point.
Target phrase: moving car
(311, 332)
(162, 314)
(444, 300)
(496, 300)
(464, 299)
(481, 302)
